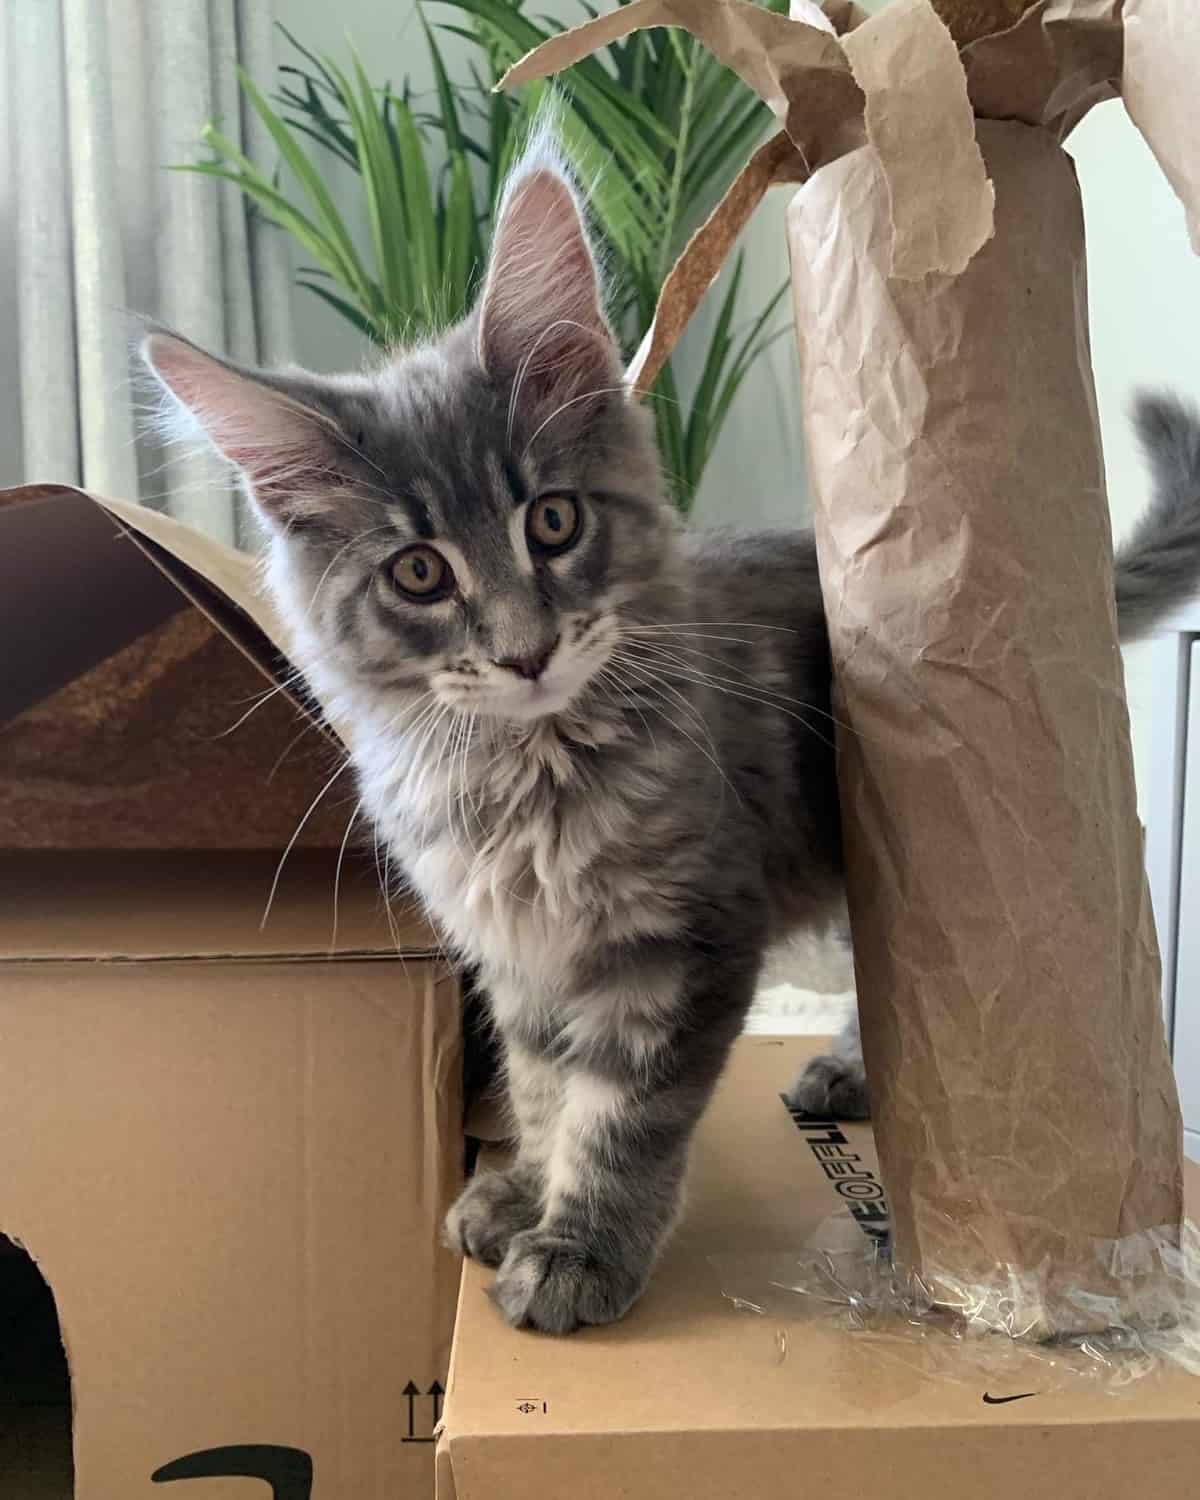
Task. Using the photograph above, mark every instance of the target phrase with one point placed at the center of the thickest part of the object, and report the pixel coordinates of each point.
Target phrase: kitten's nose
(530, 667)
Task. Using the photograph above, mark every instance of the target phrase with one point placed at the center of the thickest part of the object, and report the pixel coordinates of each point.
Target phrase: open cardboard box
(693, 1396)
(227, 1147)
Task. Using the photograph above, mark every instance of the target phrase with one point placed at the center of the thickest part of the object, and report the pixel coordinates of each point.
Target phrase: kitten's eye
(422, 574)
(552, 523)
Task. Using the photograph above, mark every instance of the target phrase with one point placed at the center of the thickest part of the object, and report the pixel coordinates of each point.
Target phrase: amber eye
(422, 574)
(552, 523)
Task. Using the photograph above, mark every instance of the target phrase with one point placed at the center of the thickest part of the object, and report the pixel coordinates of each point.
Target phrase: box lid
(145, 904)
(75, 588)
(690, 1396)
(131, 720)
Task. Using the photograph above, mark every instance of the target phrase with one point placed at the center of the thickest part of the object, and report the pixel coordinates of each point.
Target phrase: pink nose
(529, 667)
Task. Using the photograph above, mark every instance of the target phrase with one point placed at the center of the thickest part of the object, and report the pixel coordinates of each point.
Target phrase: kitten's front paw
(491, 1209)
(831, 1088)
(555, 1284)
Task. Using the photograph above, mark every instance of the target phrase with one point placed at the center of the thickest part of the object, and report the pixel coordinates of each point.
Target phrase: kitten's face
(489, 564)
(475, 520)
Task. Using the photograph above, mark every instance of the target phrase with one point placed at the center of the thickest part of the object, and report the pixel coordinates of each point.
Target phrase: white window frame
(1172, 816)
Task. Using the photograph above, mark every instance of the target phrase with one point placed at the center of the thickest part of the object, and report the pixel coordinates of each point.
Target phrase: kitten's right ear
(540, 311)
(284, 448)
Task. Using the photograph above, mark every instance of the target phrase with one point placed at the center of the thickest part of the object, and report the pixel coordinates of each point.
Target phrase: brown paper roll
(1007, 966)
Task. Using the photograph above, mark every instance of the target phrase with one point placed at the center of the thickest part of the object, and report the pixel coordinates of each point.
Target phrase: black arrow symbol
(437, 1392)
(289, 1471)
(1004, 1400)
(412, 1391)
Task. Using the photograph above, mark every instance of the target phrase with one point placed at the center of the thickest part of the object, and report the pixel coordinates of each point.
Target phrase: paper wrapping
(1007, 967)
(1161, 68)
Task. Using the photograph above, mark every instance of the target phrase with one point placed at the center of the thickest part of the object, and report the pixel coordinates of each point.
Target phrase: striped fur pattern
(605, 767)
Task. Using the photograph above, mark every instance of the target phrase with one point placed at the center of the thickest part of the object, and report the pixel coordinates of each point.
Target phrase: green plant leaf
(699, 436)
(314, 58)
(420, 228)
(445, 92)
(314, 133)
(462, 246)
(313, 184)
(754, 343)
(382, 184)
(348, 311)
(266, 196)
(668, 423)
(594, 87)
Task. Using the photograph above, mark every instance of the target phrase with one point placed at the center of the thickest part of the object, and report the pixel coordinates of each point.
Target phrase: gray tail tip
(1164, 422)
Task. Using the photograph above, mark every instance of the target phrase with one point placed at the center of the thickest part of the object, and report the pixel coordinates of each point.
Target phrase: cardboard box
(690, 1396)
(226, 1146)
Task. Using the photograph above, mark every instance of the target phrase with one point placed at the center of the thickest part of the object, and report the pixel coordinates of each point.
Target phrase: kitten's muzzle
(532, 666)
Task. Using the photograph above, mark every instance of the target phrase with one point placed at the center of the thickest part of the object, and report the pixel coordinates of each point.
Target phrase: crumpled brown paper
(832, 96)
(777, 160)
(1159, 86)
(1028, 1125)
(1004, 942)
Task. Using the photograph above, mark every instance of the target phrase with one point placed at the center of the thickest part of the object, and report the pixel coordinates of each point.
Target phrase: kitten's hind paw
(555, 1284)
(831, 1088)
(490, 1210)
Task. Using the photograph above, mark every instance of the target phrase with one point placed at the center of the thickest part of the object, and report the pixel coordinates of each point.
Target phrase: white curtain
(105, 96)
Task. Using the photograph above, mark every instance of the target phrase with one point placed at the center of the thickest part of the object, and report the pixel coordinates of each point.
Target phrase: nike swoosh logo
(1004, 1400)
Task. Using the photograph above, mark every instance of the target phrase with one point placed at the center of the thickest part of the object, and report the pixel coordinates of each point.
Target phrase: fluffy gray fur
(606, 768)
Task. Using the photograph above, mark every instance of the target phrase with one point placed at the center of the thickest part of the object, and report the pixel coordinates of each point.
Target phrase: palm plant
(673, 123)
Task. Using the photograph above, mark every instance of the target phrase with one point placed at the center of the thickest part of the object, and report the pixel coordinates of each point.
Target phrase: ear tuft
(283, 448)
(540, 315)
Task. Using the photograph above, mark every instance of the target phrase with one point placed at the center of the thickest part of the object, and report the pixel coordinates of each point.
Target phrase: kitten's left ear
(540, 315)
(284, 448)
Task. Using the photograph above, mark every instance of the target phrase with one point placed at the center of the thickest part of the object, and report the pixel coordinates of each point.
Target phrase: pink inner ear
(540, 312)
(280, 447)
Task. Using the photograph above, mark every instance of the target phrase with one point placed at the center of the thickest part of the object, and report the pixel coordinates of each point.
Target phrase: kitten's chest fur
(531, 853)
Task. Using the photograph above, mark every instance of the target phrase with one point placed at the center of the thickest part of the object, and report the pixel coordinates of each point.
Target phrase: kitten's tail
(1159, 566)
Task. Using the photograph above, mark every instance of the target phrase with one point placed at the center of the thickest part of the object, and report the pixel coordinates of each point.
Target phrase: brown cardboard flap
(224, 585)
(173, 742)
(231, 575)
(129, 720)
(72, 592)
(143, 905)
(76, 594)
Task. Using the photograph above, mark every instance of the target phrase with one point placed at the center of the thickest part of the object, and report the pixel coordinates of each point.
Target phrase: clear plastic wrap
(846, 1279)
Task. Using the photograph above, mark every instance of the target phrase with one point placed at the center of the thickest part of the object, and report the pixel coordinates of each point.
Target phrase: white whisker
(337, 874)
(291, 843)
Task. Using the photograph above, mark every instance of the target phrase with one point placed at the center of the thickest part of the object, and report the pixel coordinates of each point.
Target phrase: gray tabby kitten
(596, 744)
